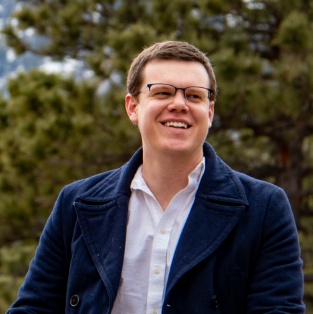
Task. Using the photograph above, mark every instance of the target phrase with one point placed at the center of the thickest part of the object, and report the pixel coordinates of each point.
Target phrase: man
(174, 230)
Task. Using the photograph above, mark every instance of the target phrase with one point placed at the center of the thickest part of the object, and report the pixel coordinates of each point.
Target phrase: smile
(176, 124)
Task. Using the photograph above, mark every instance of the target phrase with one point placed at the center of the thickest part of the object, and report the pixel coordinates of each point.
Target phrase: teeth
(176, 124)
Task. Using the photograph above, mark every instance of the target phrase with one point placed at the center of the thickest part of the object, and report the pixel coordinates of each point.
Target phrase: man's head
(168, 50)
(171, 92)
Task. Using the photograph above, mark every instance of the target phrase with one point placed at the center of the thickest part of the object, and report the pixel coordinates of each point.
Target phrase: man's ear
(211, 113)
(131, 105)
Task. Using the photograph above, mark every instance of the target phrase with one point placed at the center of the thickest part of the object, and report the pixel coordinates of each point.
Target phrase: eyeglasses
(192, 94)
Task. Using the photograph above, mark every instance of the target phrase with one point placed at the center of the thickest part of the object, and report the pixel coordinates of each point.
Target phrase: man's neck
(167, 176)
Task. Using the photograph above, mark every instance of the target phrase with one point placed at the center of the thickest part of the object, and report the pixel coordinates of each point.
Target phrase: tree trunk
(289, 173)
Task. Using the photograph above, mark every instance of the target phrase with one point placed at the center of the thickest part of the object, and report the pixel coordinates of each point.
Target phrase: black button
(74, 300)
(215, 302)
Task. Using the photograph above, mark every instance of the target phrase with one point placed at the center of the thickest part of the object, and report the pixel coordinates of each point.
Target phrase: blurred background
(62, 80)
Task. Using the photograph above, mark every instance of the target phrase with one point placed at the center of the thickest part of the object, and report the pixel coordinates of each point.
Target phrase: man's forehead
(175, 69)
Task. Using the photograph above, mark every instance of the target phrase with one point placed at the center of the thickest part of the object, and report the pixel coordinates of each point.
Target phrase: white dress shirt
(151, 239)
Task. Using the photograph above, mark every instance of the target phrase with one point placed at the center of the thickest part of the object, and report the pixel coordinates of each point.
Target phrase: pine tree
(262, 54)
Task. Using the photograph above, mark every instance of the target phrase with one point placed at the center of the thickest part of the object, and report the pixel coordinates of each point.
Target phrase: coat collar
(102, 213)
(219, 182)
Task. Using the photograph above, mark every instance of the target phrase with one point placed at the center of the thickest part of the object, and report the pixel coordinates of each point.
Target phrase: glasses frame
(210, 91)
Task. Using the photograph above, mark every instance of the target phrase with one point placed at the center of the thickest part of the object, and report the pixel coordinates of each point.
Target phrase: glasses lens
(161, 91)
(196, 94)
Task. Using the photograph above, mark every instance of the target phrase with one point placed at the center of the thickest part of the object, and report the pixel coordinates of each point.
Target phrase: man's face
(172, 126)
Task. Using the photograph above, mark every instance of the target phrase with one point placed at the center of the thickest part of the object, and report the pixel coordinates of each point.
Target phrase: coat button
(215, 302)
(74, 300)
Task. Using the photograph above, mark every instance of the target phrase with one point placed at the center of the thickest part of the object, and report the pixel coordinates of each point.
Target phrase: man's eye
(161, 93)
(164, 93)
(195, 96)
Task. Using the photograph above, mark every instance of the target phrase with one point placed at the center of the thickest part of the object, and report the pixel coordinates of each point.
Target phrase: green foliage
(14, 261)
(294, 33)
(55, 129)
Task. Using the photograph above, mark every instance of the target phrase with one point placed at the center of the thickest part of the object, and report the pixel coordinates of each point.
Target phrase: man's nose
(179, 101)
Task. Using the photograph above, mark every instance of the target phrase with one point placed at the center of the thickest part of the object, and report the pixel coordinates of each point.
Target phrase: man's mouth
(175, 124)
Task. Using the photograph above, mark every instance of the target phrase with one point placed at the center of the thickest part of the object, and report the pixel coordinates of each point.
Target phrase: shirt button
(163, 231)
(157, 270)
(154, 312)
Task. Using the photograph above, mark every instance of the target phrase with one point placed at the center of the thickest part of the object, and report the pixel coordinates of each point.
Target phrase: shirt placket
(158, 261)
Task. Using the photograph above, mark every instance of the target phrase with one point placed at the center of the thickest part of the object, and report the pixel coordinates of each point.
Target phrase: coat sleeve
(44, 288)
(277, 282)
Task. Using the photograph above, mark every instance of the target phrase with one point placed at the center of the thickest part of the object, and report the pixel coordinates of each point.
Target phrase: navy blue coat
(238, 252)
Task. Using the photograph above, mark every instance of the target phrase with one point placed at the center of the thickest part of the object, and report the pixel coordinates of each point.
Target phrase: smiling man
(175, 230)
(173, 122)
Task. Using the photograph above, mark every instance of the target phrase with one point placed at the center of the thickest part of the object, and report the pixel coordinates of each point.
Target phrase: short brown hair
(168, 50)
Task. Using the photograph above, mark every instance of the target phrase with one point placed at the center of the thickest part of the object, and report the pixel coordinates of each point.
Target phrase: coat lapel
(206, 228)
(102, 213)
(220, 202)
(104, 230)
